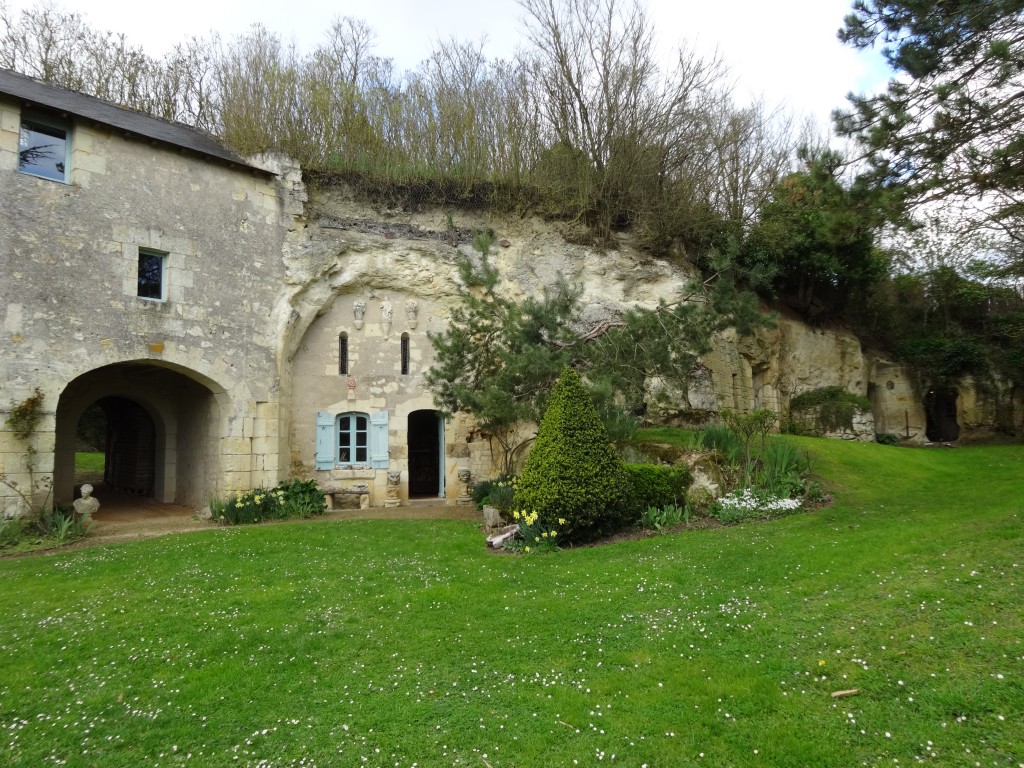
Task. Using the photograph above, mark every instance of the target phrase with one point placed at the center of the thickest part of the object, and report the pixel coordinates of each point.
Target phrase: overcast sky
(785, 51)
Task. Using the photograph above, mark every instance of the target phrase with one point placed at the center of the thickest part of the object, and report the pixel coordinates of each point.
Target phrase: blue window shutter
(379, 439)
(326, 437)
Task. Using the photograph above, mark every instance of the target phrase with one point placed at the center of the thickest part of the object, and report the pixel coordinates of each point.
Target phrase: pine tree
(948, 127)
(573, 478)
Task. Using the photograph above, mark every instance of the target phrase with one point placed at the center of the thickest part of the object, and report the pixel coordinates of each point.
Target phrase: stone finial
(412, 309)
(359, 309)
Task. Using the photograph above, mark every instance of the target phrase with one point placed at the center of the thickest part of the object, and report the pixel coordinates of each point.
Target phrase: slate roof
(139, 124)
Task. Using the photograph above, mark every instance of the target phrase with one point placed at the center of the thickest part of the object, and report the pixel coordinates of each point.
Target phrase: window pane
(361, 438)
(41, 150)
(344, 440)
(151, 275)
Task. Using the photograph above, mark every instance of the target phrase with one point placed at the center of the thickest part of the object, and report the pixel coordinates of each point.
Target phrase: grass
(89, 466)
(386, 643)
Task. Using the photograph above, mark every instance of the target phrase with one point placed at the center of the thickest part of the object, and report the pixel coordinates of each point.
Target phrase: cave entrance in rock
(161, 438)
(426, 454)
(940, 409)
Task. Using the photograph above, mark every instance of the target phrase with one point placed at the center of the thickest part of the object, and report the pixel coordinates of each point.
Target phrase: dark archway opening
(425, 436)
(130, 447)
(940, 410)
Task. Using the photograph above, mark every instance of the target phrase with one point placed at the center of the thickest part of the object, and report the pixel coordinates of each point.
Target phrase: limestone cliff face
(350, 250)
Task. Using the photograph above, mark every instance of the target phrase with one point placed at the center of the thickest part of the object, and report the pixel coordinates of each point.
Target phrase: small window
(405, 354)
(152, 275)
(43, 149)
(343, 353)
(353, 438)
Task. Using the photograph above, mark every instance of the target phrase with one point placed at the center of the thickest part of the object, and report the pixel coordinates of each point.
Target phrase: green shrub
(290, 499)
(496, 493)
(828, 409)
(783, 467)
(657, 518)
(11, 531)
(658, 486)
(724, 440)
(573, 472)
(887, 438)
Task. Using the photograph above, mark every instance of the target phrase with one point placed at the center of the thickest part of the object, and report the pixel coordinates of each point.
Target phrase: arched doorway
(940, 409)
(426, 454)
(162, 431)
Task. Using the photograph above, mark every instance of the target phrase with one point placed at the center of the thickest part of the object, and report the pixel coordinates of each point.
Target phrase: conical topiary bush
(573, 473)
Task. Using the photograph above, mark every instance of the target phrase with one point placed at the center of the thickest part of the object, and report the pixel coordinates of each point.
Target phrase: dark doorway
(940, 409)
(425, 436)
(130, 452)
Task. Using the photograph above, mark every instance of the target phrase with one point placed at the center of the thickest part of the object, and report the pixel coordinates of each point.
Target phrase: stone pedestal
(464, 499)
(393, 497)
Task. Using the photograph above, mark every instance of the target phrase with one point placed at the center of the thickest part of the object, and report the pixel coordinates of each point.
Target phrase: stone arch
(187, 409)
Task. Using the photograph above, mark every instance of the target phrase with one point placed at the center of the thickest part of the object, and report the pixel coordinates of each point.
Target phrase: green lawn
(384, 643)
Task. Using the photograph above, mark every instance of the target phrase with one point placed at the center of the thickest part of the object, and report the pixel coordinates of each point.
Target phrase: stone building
(141, 262)
(234, 333)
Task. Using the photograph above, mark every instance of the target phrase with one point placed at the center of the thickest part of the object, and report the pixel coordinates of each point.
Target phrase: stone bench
(340, 494)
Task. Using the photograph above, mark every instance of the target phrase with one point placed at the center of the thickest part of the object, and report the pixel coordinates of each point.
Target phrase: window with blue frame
(43, 148)
(353, 438)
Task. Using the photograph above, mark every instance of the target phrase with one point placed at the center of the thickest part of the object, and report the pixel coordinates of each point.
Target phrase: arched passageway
(162, 433)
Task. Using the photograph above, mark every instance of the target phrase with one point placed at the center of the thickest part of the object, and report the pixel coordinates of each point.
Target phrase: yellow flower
(553, 534)
(821, 662)
(536, 538)
(545, 534)
(561, 521)
(515, 515)
(526, 549)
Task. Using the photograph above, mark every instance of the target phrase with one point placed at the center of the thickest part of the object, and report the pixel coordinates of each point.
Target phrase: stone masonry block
(236, 445)
(91, 163)
(84, 141)
(10, 121)
(237, 481)
(236, 463)
(180, 277)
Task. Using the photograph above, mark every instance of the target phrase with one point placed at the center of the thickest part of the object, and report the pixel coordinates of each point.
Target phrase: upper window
(342, 353)
(353, 438)
(43, 149)
(152, 275)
